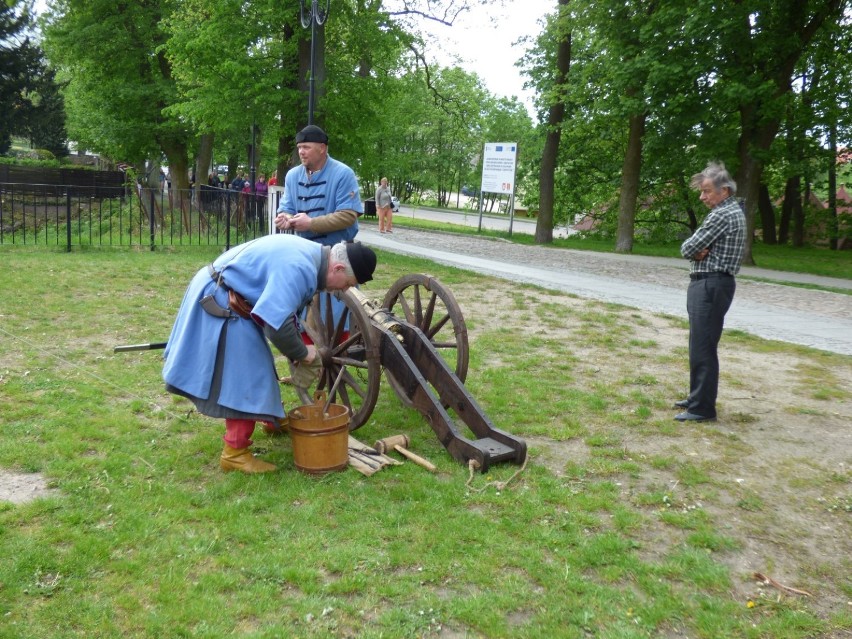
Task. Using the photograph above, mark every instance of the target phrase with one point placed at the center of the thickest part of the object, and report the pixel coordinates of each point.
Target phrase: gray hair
(339, 255)
(718, 175)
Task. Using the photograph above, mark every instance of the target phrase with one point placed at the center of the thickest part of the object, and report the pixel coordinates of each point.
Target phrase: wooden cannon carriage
(418, 336)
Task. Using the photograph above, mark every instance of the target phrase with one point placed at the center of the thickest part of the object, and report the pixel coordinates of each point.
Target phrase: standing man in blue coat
(218, 353)
(321, 198)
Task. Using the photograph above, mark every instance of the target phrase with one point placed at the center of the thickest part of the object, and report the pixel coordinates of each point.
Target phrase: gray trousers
(707, 301)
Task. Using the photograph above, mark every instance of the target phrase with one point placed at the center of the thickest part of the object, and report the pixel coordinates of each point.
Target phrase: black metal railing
(63, 216)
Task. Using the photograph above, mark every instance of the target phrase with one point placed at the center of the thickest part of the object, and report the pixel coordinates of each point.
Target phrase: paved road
(491, 222)
(762, 306)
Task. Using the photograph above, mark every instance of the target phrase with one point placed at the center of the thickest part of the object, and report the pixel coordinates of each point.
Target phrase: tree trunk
(833, 226)
(753, 137)
(630, 171)
(799, 215)
(550, 154)
(253, 154)
(286, 147)
(176, 153)
(767, 215)
(202, 162)
(152, 175)
(791, 197)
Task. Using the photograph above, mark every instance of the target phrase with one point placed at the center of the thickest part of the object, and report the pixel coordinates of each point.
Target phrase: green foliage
(30, 102)
(17, 159)
(708, 83)
(760, 80)
(118, 80)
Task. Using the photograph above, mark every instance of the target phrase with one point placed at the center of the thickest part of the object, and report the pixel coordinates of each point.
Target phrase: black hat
(311, 133)
(363, 261)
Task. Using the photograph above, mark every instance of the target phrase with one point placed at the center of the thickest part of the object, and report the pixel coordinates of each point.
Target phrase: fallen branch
(771, 582)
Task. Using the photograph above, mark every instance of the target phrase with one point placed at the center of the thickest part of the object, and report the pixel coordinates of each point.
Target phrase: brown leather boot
(242, 460)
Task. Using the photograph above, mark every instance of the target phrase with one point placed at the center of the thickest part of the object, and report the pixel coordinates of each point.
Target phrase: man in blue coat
(218, 353)
(321, 199)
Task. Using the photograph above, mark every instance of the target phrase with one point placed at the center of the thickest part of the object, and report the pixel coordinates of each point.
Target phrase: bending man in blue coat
(218, 353)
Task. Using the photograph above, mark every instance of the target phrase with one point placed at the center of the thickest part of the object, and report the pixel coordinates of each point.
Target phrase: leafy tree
(236, 67)
(760, 43)
(16, 52)
(45, 120)
(160, 77)
(550, 67)
(119, 80)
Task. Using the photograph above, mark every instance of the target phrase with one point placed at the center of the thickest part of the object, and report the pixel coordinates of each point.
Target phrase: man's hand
(282, 221)
(311, 356)
(300, 222)
(306, 371)
(701, 254)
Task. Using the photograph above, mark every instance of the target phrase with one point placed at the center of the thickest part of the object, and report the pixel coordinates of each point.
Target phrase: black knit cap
(363, 261)
(311, 133)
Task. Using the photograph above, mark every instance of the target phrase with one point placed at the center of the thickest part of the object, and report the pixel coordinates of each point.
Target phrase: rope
(473, 466)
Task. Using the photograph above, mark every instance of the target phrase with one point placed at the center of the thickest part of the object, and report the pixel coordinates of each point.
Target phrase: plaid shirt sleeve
(723, 232)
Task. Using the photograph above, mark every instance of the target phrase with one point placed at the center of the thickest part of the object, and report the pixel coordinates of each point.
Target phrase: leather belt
(236, 302)
(704, 276)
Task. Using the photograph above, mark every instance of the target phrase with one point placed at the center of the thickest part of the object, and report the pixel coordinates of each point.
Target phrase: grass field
(623, 524)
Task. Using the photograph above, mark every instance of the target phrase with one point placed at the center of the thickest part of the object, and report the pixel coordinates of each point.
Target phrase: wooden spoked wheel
(351, 367)
(422, 301)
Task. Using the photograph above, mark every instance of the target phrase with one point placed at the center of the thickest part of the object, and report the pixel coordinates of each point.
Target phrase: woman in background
(384, 207)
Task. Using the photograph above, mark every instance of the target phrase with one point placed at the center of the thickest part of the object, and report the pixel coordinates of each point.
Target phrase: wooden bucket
(320, 436)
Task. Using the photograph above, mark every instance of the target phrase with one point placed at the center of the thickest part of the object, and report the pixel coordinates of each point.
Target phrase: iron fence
(131, 216)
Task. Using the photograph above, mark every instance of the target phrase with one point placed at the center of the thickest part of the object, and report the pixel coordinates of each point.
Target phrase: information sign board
(498, 167)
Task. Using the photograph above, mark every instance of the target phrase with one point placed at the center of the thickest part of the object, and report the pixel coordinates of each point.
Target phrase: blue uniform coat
(278, 275)
(333, 188)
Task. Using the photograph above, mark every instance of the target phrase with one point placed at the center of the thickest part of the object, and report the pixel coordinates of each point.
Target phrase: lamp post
(312, 16)
(252, 156)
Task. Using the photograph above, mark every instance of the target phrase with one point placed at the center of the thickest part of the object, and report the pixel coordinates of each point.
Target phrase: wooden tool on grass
(400, 443)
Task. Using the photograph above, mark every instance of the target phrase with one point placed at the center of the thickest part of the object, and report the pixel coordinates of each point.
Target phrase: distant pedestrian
(715, 252)
(384, 207)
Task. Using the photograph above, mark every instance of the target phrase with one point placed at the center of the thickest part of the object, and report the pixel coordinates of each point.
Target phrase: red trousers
(238, 432)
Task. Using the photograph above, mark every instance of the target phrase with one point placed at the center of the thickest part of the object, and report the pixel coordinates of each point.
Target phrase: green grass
(145, 537)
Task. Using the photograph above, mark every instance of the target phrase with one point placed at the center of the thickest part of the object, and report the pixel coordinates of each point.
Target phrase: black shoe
(686, 416)
(684, 403)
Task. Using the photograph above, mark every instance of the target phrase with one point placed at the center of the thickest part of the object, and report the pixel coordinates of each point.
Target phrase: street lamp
(312, 16)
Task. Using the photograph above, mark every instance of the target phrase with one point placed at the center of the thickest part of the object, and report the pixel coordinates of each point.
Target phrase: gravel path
(768, 309)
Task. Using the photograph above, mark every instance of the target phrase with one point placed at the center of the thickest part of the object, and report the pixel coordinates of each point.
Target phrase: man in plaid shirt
(715, 252)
